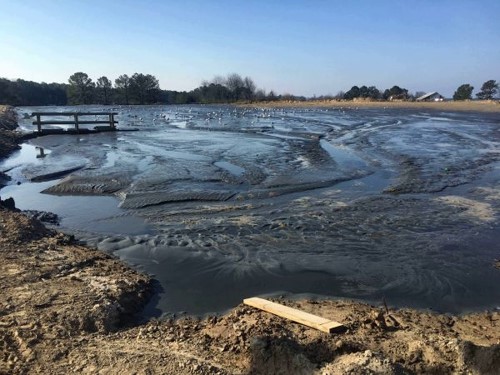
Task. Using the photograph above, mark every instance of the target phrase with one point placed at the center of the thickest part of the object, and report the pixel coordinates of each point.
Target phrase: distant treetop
(489, 90)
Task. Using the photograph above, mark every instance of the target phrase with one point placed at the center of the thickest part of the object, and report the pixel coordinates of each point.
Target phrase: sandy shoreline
(67, 308)
(473, 106)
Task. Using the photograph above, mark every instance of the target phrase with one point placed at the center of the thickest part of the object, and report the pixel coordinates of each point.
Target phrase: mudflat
(353, 203)
(69, 308)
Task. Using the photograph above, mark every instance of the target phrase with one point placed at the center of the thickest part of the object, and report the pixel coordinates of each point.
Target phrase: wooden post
(38, 124)
(41, 151)
(76, 123)
(112, 121)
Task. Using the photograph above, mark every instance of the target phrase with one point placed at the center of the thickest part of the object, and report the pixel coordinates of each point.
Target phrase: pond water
(221, 203)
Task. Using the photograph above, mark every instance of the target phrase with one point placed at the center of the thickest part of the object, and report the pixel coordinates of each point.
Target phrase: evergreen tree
(396, 92)
(354, 92)
(463, 92)
(81, 89)
(144, 88)
(103, 89)
(488, 90)
(122, 84)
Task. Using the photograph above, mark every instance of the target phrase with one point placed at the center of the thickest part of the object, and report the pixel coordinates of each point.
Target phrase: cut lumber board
(295, 315)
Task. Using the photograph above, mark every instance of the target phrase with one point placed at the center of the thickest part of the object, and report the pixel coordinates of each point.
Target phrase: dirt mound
(18, 228)
(8, 118)
(8, 137)
(54, 291)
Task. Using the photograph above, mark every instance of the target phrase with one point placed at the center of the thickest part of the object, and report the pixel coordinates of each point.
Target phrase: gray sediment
(366, 204)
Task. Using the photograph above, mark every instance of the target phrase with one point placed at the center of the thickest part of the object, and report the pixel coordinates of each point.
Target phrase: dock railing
(76, 121)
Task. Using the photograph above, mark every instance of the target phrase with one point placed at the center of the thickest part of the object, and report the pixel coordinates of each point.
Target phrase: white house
(431, 97)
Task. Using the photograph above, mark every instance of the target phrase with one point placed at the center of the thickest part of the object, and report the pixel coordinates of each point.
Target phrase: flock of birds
(222, 116)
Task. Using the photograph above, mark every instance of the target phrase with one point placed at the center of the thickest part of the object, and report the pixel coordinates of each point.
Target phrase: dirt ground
(466, 105)
(65, 308)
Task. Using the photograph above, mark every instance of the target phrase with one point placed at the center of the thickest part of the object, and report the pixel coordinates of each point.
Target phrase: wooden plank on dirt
(295, 315)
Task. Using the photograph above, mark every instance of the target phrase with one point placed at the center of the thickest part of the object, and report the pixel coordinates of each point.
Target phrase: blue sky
(299, 47)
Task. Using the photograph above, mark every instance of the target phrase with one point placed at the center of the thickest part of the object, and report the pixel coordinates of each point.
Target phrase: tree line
(371, 92)
(21, 92)
(138, 88)
(488, 91)
(142, 88)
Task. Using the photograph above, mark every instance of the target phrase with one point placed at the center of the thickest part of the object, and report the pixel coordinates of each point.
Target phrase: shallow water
(221, 203)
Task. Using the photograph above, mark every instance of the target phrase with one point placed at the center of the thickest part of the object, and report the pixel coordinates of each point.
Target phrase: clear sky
(303, 47)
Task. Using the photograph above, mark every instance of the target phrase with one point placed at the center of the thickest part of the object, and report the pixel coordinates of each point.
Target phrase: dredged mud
(395, 204)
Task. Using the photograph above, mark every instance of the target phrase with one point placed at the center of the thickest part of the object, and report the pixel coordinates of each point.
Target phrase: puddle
(231, 168)
(28, 154)
(184, 156)
(78, 213)
(345, 158)
(111, 158)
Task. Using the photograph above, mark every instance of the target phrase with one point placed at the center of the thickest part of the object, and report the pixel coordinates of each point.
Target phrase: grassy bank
(477, 106)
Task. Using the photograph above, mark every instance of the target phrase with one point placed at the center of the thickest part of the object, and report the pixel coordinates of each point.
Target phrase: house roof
(428, 95)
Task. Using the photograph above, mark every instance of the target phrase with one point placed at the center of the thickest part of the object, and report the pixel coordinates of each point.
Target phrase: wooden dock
(76, 120)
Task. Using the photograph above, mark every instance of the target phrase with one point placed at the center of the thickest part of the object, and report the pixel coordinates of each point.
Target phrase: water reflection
(41, 153)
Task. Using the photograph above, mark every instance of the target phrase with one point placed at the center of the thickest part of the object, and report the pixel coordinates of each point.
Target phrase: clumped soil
(67, 308)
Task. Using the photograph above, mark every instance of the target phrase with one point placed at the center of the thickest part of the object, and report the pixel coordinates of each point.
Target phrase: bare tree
(249, 88)
(260, 95)
(235, 84)
(219, 80)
